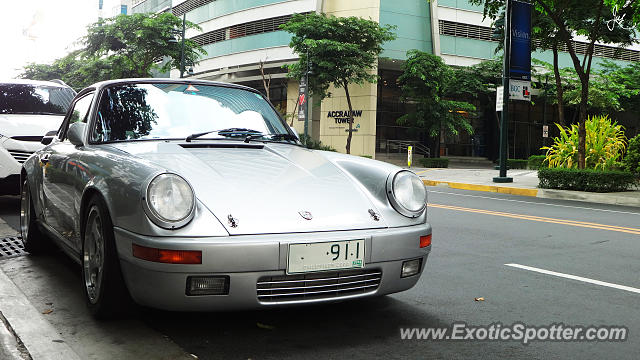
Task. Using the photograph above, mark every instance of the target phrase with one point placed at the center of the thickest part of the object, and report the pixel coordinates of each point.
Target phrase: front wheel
(104, 287)
(33, 240)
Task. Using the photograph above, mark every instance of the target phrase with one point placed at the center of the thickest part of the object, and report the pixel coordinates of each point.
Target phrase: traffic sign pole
(504, 122)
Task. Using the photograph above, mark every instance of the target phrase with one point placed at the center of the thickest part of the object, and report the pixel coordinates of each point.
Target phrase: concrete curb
(39, 337)
(488, 188)
(599, 198)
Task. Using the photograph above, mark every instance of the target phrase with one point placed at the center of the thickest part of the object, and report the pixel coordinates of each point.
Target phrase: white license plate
(348, 254)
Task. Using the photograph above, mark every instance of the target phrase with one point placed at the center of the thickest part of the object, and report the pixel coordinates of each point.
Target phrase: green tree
(124, 46)
(339, 50)
(627, 76)
(609, 91)
(429, 84)
(589, 18)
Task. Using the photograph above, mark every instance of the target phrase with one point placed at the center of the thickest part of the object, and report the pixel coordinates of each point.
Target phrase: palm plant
(605, 145)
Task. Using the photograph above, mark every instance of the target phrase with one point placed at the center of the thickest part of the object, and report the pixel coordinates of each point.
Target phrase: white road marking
(578, 278)
(535, 203)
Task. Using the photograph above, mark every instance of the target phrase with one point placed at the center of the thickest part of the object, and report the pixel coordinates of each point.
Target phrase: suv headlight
(170, 201)
(406, 193)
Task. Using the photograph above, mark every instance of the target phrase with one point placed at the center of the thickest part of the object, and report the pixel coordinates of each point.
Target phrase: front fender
(372, 176)
(120, 179)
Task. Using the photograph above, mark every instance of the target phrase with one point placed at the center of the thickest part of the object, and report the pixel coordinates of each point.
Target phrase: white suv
(28, 111)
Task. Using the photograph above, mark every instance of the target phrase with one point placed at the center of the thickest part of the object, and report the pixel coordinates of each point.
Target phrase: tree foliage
(610, 89)
(429, 84)
(339, 51)
(124, 46)
(589, 18)
(631, 160)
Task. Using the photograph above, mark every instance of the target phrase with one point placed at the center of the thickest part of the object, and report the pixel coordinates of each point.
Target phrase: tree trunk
(559, 89)
(583, 73)
(346, 91)
(582, 132)
(266, 81)
(295, 112)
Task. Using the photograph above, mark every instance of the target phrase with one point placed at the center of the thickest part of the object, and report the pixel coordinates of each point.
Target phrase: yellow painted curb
(487, 188)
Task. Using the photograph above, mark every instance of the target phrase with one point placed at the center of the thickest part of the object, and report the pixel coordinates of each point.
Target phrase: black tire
(33, 240)
(105, 292)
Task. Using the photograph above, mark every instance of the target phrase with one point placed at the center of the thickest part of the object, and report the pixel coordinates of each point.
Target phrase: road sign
(409, 155)
(499, 98)
(545, 131)
(520, 56)
(519, 90)
(302, 100)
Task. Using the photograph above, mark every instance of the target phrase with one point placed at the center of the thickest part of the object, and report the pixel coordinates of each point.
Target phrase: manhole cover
(11, 247)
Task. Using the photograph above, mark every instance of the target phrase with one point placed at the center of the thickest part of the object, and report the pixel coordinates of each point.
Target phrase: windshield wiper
(273, 137)
(227, 132)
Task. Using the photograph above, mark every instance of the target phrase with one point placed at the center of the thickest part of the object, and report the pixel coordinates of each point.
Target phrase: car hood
(28, 125)
(266, 188)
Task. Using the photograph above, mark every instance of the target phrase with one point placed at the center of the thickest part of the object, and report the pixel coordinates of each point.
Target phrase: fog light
(207, 285)
(411, 267)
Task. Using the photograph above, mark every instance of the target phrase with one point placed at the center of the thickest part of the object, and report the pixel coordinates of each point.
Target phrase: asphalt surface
(474, 235)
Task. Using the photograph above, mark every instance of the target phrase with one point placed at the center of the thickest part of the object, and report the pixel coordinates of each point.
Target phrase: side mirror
(48, 137)
(75, 133)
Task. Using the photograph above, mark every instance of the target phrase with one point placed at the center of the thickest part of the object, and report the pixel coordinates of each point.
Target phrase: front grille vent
(317, 286)
(20, 156)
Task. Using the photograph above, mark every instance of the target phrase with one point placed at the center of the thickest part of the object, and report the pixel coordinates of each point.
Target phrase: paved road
(475, 235)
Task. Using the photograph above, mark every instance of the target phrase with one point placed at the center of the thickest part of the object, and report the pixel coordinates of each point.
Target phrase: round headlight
(170, 200)
(407, 193)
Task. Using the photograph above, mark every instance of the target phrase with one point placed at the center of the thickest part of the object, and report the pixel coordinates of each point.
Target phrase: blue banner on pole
(520, 64)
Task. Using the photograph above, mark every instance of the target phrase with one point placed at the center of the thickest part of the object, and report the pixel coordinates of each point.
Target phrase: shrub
(605, 144)
(434, 162)
(315, 145)
(517, 163)
(367, 156)
(585, 179)
(535, 162)
(631, 161)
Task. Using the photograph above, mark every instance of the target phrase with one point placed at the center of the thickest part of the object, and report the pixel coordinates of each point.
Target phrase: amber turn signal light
(425, 240)
(167, 256)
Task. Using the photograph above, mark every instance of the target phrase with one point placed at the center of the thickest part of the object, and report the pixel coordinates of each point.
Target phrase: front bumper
(248, 259)
(13, 153)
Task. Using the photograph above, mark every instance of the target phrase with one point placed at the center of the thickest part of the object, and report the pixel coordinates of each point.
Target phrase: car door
(64, 176)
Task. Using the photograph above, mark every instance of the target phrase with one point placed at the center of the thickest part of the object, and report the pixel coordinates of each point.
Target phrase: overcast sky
(43, 30)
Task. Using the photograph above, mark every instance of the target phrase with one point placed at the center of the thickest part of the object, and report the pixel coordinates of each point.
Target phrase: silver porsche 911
(195, 196)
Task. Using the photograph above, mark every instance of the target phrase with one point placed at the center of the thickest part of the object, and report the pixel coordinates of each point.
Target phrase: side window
(79, 113)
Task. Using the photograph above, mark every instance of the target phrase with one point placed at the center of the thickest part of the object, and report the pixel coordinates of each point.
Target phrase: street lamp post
(184, 19)
(306, 104)
(504, 121)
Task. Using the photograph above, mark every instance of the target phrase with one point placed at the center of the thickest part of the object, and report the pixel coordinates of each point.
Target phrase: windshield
(34, 99)
(170, 111)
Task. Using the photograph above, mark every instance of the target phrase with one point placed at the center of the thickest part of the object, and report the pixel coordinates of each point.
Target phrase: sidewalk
(24, 333)
(525, 183)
